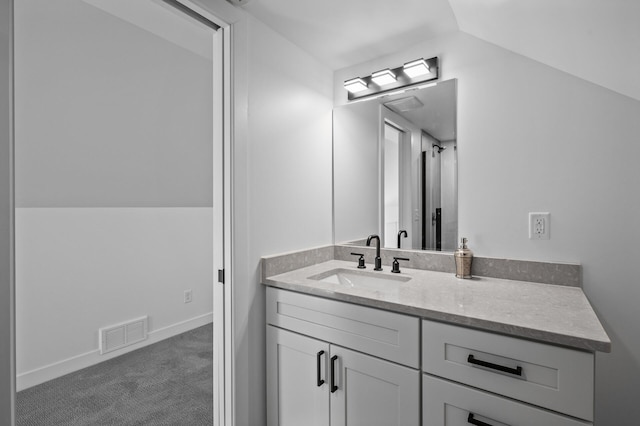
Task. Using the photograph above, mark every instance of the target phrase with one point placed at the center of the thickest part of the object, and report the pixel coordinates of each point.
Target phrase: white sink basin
(360, 279)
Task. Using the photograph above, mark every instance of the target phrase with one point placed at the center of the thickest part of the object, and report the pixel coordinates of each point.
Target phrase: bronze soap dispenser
(463, 257)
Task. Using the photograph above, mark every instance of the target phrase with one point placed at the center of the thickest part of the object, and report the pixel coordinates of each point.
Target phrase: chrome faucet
(378, 265)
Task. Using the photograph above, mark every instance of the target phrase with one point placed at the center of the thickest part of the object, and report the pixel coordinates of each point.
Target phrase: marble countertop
(547, 313)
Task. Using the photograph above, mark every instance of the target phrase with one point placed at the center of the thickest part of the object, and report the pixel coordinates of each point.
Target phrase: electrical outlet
(539, 226)
(188, 296)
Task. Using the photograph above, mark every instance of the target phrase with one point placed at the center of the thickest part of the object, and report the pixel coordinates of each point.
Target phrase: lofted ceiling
(597, 40)
(343, 33)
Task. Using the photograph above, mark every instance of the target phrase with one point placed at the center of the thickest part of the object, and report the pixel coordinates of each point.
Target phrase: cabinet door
(371, 392)
(297, 379)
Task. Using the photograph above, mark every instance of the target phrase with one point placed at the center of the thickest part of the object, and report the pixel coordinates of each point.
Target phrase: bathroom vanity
(355, 347)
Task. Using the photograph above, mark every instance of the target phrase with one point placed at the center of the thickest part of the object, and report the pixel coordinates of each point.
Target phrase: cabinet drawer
(545, 375)
(380, 333)
(446, 403)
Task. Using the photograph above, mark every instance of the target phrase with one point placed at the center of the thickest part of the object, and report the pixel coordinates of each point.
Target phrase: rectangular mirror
(395, 169)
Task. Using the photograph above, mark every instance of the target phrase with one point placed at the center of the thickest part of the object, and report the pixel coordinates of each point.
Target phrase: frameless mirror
(395, 169)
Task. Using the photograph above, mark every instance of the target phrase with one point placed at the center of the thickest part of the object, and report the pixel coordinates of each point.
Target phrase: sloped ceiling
(597, 40)
(342, 33)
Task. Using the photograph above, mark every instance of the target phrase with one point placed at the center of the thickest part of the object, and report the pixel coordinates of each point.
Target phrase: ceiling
(596, 40)
(160, 19)
(434, 112)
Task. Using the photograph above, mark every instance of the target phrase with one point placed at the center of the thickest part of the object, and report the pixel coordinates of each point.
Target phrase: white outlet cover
(539, 226)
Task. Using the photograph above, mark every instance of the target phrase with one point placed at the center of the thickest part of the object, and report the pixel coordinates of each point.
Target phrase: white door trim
(223, 373)
(218, 232)
(228, 387)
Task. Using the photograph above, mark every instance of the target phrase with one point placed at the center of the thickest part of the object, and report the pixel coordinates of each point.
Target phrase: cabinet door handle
(516, 371)
(318, 368)
(333, 373)
(473, 421)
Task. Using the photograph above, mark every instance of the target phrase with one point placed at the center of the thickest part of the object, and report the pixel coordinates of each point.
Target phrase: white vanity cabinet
(334, 363)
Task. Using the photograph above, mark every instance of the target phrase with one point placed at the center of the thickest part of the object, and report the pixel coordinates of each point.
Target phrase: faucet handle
(396, 264)
(360, 261)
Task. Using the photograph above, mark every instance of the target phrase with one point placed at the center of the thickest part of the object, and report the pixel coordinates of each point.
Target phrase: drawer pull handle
(473, 421)
(318, 368)
(333, 373)
(517, 371)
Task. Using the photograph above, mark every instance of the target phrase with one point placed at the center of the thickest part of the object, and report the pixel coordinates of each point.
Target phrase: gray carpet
(167, 383)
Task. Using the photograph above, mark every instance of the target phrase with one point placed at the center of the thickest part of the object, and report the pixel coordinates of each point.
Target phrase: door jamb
(224, 377)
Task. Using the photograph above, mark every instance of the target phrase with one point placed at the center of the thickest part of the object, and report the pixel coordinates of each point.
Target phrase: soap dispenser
(463, 257)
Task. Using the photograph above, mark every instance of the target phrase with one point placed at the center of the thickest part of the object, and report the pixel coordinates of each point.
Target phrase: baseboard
(78, 362)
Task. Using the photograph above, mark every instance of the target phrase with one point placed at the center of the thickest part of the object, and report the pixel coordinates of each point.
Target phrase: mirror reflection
(395, 169)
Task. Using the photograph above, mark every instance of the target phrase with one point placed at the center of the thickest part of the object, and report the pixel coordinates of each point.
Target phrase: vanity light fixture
(416, 68)
(411, 74)
(355, 85)
(383, 77)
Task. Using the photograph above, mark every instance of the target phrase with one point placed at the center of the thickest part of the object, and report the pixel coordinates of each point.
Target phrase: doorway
(398, 197)
(119, 179)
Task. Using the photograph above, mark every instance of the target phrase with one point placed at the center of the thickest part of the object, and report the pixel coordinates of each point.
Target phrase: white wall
(80, 269)
(356, 136)
(113, 183)
(282, 181)
(532, 138)
(108, 114)
(7, 382)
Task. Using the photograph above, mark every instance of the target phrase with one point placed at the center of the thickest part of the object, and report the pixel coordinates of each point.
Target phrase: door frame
(7, 208)
(223, 372)
(408, 146)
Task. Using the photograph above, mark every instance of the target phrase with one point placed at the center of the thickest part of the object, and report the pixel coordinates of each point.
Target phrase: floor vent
(124, 334)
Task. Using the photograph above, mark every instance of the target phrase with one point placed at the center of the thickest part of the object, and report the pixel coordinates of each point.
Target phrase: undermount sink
(360, 279)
